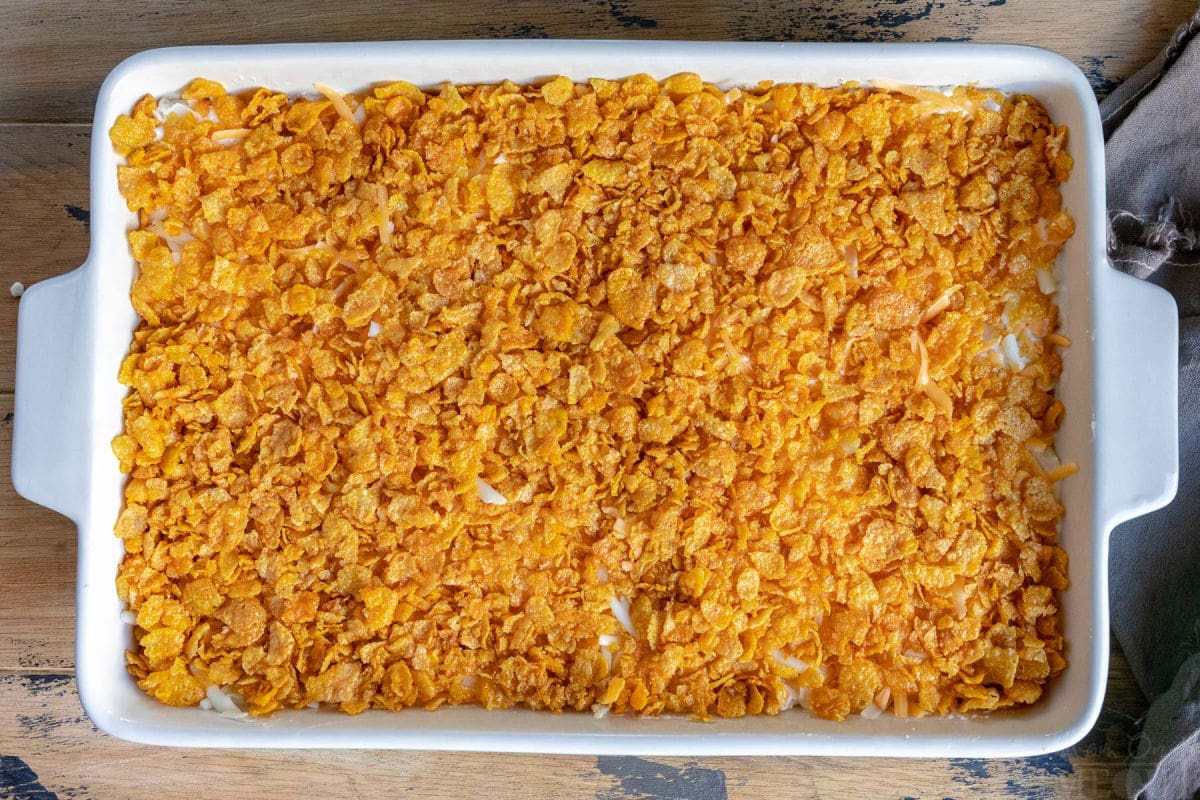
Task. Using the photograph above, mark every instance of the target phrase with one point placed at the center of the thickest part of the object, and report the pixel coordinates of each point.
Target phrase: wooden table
(53, 56)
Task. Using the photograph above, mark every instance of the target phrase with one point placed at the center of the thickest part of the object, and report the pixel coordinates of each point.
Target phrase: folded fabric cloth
(1152, 127)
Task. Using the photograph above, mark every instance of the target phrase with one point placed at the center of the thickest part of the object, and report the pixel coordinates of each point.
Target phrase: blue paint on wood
(651, 780)
(620, 11)
(1029, 781)
(894, 18)
(79, 214)
(1049, 764)
(516, 30)
(1021, 791)
(19, 782)
(875, 20)
(1096, 68)
(49, 682)
(975, 768)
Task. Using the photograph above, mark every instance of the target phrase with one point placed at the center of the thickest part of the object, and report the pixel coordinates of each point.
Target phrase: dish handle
(50, 448)
(1137, 397)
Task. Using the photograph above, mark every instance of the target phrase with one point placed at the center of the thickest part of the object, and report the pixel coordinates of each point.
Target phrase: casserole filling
(621, 395)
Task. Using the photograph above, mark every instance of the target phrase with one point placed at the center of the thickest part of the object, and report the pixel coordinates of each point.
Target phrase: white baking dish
(1119, 386)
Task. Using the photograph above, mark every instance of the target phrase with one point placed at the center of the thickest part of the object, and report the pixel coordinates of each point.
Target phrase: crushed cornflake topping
(714, 352)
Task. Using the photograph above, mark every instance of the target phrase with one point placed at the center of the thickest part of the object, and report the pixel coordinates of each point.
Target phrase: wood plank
(53, 744)
(43, 230)
(47, 82)
(37, 571)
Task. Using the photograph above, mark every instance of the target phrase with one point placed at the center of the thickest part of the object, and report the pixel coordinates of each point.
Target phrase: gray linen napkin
(1152, 126)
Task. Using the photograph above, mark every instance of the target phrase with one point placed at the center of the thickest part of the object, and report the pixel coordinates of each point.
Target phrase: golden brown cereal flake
(619, 394)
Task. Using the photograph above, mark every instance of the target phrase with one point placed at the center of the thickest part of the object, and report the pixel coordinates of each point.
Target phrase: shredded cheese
(385, 222)
(1012, 353)
(931, 100)
(488, 493)
(941, 303)
(1065, 471)
(338, 101)
(798, 664)
(923, 367)
(958, 595)
(1046, 282)
(939, 397)
(850, 256)
(620, 610)
(871, 711)
(224, 703)
(231, 133)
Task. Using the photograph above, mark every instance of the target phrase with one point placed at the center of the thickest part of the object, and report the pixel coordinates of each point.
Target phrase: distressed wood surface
(55, 750)
(53, 56)
(43, 217)
(55, 53)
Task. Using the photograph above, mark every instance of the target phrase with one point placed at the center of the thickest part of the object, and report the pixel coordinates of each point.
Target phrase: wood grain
(45, 81)
(37, 573)
(43, 227)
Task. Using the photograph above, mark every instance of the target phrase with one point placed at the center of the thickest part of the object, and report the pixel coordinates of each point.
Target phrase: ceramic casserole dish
(1118, 384)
